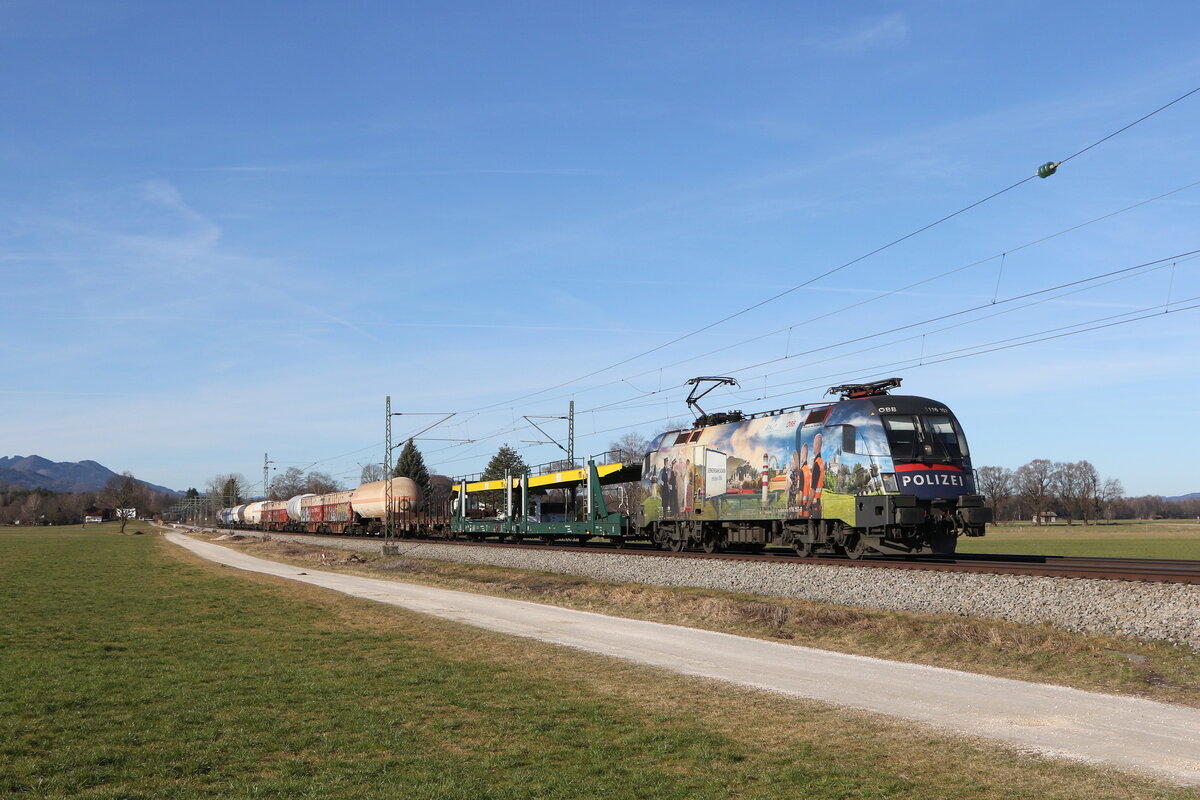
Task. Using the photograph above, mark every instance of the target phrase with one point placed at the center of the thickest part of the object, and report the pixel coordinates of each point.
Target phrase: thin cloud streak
(873, 34)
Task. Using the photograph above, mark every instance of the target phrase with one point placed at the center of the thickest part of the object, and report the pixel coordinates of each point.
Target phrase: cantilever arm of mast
(427, 428)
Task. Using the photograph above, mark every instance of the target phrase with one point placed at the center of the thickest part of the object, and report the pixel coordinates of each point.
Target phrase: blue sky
(233, 228)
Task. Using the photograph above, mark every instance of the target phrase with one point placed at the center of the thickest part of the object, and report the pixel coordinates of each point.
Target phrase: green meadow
(132, 669)
(1126, 539)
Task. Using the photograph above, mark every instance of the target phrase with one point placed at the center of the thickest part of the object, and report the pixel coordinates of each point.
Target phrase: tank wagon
(869, 472)
(356, 512)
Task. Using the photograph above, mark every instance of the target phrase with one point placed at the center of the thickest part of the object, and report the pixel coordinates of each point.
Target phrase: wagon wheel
(619, 542)
(805, 549)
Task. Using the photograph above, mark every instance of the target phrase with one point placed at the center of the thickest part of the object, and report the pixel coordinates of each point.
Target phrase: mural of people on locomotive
(818, 463)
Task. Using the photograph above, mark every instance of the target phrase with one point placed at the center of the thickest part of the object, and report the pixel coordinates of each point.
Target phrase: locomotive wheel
(805, 549)
(619, 542)
(856, 548)
(712, 543)
(677, 545)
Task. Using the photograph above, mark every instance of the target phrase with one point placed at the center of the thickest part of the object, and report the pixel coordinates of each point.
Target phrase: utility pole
(389, 548)
(266, 485)
(571, 435)
(571, 447)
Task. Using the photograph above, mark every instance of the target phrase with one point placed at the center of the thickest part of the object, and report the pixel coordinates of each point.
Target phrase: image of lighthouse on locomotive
(872, 472)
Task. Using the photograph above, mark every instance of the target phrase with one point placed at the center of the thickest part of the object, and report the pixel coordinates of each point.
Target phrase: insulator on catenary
(1048, 169)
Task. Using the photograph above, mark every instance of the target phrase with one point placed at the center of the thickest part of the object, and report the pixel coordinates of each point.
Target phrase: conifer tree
(411, 464)
(506, 460)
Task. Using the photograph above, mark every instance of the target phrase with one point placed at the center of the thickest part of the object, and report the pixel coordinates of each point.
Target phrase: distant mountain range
(35, 472)
(1182, 497)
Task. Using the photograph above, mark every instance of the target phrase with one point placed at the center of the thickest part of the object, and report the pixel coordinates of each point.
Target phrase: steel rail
(1149, 570)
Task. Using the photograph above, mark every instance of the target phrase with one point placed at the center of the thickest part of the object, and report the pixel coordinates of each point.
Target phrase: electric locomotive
(870, 472)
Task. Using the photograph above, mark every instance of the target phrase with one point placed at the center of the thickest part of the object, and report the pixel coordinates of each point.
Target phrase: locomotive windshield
(915, 437)
(945, 432)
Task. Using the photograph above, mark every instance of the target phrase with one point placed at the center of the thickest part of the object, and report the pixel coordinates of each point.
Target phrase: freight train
(870, 472)
(355, 512)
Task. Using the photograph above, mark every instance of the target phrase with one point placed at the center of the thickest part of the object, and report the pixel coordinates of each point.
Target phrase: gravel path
(1167, 612)
(1122, 732)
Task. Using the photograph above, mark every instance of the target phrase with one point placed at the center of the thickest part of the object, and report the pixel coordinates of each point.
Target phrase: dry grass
(990, 646)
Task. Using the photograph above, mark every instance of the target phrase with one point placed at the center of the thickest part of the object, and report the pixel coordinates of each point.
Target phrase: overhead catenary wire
(880, 370)
(1143, 266)
(972, 309)
(985, 348)
(841, 267)
(1078, 285)
(890, 293)
(808, 282)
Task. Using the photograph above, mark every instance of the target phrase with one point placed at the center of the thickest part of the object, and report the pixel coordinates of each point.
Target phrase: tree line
(22, 506)
(1074, 491)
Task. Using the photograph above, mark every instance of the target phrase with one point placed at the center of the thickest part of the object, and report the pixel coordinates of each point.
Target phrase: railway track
(1151, 570)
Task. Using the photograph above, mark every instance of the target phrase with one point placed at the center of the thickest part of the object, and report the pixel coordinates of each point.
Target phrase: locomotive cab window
(945, 432)
(904, 435)
(849, 435)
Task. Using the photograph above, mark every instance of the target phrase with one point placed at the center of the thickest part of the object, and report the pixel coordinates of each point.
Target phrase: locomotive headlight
(889, 482)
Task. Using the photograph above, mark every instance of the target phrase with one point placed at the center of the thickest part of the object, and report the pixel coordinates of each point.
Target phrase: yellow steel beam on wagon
(609, 473)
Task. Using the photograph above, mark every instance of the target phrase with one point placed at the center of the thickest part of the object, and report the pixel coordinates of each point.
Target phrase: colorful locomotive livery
(806, 478)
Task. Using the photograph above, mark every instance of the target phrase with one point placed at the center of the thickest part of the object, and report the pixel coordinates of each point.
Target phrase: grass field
(133, 670)
(1166, 539)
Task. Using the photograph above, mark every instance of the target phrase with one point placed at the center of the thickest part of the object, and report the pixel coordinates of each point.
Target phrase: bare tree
(998, 485)
(371, 473)
(123, 492)
(1065, 488)
(629, 449)
(1110, 492)
(1090, 486)
(31, 509)
(322, 483)
(1034, 484)
(289, 483)
(227, 491)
